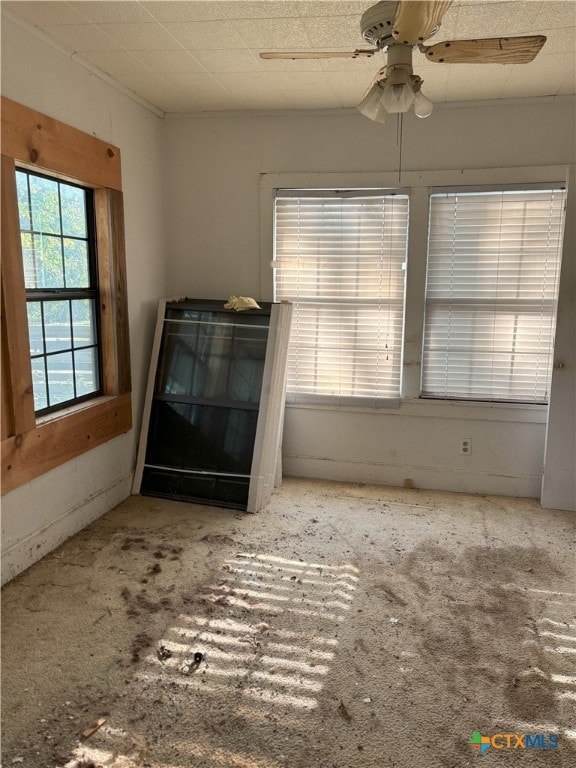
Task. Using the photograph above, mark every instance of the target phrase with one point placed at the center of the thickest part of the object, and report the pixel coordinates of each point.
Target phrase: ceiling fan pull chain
(399, 132)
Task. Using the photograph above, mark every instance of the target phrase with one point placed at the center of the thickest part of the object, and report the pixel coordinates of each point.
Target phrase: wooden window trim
(31, 446)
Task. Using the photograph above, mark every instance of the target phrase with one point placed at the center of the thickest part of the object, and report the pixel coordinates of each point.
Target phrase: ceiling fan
(401, 26)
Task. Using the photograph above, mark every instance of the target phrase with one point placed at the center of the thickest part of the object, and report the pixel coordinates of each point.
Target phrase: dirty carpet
(345, 626)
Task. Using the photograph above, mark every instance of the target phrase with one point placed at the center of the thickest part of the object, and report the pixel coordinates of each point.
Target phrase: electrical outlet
(466, 446)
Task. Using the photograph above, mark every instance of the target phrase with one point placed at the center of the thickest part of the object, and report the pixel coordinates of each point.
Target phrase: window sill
(478, 410)
(64, 412)
(60, 437)
(329, 403)
(443, 409)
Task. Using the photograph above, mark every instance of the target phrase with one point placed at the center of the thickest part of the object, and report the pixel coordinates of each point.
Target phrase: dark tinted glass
(212, 359)
(223, 491)
(201, 437)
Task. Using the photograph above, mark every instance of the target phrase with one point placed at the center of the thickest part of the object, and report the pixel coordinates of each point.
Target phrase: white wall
(214, 167)
(39, 515)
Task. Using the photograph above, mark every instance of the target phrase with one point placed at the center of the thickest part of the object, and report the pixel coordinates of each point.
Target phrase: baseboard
(428, 478)
(22, 554)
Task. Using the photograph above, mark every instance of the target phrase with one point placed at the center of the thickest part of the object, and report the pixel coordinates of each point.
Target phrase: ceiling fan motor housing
(376, 24)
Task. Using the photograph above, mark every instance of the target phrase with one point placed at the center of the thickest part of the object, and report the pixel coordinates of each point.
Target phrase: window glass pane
(83, 325)
(23, 200)
(39, 383)
(224, 490)
(73, 211)
(201, 437)
(45, 205)
(29, 261)
(213, 359)
(62, 309)
(492, 281)
(35, 328)
(76, 263)
(57, 330)
(47, 262)
(345, 350)
(60, 378)
(86, 363)
(340, 259)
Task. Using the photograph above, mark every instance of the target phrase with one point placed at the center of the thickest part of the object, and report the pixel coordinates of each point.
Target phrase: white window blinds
(492, 284)
(340, 258)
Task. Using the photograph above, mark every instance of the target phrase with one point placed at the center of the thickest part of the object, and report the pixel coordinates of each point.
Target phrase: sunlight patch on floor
(268, 663)
(566, 695)
(216, 755)
(554, 623)
(223, 757)
(559, 649)
(557, 636)
(245, 651)
(564, 679)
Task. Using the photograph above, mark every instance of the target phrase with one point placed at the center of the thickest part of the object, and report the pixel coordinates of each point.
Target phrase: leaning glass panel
(224, 491)
(201, 437)
(213, 359)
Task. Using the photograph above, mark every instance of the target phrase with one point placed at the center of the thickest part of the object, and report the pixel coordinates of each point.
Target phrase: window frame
(33, 444)
(371, 400)
(480, 189)
(44, 295)
(419, 184)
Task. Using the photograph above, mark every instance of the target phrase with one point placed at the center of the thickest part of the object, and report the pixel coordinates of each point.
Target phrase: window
(491, 292)
(60, 278)
(65, 369)
(340, 258)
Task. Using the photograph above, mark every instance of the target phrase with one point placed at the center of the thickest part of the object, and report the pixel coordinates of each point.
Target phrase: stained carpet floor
(346, 626)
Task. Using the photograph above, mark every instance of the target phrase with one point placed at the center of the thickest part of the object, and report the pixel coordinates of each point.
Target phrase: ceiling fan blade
(415, 21)
(493, 50)
(357, 54)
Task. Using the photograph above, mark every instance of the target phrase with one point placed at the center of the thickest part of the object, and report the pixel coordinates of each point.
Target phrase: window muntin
(340, 258)
(60, 278)
(492, 283)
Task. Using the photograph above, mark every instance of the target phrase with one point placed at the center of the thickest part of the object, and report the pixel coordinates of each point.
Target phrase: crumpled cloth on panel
(240, 303)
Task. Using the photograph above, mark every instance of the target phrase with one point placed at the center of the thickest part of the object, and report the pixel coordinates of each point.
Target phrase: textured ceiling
(204, 56)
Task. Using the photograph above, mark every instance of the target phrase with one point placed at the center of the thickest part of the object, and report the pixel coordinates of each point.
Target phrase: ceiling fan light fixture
(397, 97)
(422, 105)
(372, 106)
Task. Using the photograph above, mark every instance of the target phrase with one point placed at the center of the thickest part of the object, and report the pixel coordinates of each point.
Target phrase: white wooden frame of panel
(266, 468)
(266, 471)
(138, 472)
